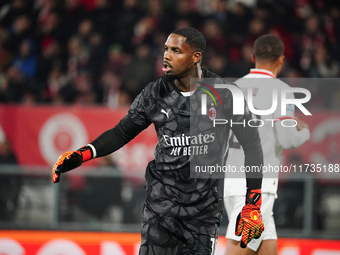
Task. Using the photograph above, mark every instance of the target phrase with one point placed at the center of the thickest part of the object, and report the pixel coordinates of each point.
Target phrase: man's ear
(281, 59)
(197, 57)
(253, 58)
(279, 62)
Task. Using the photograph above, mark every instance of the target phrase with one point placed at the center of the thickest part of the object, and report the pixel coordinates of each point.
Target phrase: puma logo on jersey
(165, 112)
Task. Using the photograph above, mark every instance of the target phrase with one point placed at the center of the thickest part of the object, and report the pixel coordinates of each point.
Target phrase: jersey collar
(262, 71)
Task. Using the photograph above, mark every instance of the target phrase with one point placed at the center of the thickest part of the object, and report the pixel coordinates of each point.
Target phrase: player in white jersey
(275, 137)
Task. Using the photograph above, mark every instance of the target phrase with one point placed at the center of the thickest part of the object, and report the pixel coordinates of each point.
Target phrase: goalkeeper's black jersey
(184, 137)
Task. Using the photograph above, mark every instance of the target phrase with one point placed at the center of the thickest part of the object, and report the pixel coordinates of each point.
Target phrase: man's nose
(166, 55)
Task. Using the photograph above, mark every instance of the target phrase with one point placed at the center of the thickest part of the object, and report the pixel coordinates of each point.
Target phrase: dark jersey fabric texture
(179, 206)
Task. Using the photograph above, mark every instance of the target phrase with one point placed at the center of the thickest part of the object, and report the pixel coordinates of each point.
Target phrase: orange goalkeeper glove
(249, 222)
(70, 160)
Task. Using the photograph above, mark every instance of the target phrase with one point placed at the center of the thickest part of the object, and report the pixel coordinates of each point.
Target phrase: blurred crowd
(103, 52)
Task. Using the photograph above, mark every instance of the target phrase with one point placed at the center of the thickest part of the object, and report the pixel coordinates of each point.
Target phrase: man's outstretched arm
(111, 140)
(108, 142)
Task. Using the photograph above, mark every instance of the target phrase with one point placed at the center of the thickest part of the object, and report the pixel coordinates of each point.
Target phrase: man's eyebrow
(172, 47)
(175, 48)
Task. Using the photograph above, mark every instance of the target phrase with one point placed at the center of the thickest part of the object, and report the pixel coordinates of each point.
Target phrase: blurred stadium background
(69, 70)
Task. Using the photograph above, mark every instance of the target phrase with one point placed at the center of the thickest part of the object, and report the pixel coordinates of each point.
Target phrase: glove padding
(70, 160)
(249, 222)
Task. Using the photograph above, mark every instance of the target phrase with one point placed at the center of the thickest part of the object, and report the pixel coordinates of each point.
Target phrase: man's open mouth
(166, 67)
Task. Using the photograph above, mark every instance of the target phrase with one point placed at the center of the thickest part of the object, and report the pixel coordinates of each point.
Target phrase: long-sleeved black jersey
(185, 138)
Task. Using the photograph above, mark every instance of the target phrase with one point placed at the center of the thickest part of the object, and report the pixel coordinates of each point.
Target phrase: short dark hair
(193, 37)
(268, 47)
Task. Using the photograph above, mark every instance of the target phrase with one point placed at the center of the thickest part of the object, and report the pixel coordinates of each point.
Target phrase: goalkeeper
(181, 213)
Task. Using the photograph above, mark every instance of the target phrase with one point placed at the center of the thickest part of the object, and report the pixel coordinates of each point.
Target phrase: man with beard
(181, 213)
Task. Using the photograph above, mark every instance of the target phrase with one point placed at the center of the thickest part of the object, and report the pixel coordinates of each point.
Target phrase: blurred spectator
(324, 65)
(186, 9)
(117, 60)
(220, 64)
(9, 12)
(16, 84)
(85, 30)
(4, 89)
(97, 60)
(103, 17)
(143, 30)
(78, 57)
(56, 80)
(155, 10)
(5, 55)
(161, 17)
(311, 39)
(83, 85)
(10, 184)
(127, 17)
(49, 58)
(181, 23)
(75, 36)
(238, 20)
(216, 41)
(7, 155)
(256, 28)
(72, 15)
(18, 31)
(26, 60)
(139, 71)
(22, 74)
(91, 43)
(49, 28)
(113, 95)
(29, 98)
(43, 8)
(332, 27)
(215, 9)
(243, 63)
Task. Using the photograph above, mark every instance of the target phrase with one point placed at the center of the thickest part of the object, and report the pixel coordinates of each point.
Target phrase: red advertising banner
(40, 134)
(16, 242)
